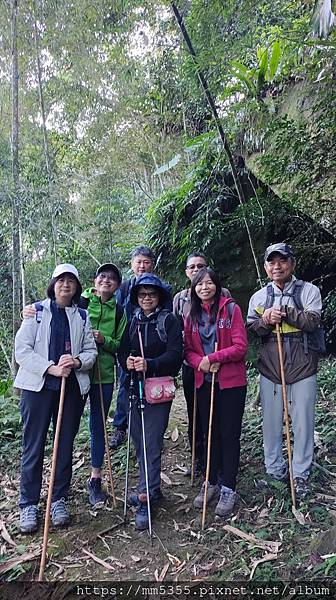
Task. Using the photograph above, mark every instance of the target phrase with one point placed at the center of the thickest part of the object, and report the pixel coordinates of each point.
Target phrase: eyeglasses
(151, 295)
(107, 276)
(193, 267)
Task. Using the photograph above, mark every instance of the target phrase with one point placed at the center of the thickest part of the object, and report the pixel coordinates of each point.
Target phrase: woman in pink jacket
(217, 319)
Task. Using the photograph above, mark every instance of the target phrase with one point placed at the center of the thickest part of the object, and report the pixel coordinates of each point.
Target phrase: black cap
(109, 267)
(280, 248)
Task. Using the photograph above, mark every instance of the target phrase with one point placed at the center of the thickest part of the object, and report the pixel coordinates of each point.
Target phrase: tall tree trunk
(227, 149)
(16, 256)
(45, 136)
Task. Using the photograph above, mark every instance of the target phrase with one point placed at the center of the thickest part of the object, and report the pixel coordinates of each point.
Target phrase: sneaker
(59, 514)
(117, 438)
(141, 517)
(302, 488)
(96, 493)
(226, 501)
(213, 492)
(28, 518)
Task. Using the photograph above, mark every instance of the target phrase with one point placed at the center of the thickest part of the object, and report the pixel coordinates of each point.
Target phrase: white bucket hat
(65, 268)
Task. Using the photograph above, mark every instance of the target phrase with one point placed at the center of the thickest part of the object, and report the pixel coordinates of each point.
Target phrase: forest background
(107, 141)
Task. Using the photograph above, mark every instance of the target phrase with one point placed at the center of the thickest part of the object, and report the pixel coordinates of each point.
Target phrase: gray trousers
(156, 417)
(301, 407)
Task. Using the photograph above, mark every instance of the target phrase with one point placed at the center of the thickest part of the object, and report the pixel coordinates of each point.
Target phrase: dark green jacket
(103, 318)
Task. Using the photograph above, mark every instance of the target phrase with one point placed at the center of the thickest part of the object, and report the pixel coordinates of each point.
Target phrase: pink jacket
(232, 347)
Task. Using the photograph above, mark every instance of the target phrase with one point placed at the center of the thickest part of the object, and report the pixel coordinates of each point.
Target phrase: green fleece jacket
(103, 318)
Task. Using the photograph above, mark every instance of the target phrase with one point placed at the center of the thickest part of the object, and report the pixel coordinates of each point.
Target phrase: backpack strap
(83, 314)
(297, 293)
(161, 325)
(182, 299)
(39, 310)
(118, 317)
(230, 308)
(269, 296)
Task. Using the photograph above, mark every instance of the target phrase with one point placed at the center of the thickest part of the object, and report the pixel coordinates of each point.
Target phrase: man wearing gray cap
(296, 306)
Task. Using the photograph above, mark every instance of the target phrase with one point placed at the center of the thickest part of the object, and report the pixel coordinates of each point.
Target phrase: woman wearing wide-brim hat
(57, 343)
(151, 347)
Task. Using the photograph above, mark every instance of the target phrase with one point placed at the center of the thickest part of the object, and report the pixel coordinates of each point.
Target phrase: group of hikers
(78, 337)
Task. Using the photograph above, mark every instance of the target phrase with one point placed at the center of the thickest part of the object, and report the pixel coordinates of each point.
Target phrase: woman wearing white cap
(57, 343)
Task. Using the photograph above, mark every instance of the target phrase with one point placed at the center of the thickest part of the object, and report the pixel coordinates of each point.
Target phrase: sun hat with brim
(153, 281)
(65, 268)
(109, 267)
(280, 248)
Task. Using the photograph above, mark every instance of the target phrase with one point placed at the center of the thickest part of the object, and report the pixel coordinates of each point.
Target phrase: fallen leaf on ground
(299, 516)
(99, 560)
(260, 543)
(135, 558)
(163, 572)
(175, 435)
(14, 562)
(255, 563)
(6, 535)
(183, 496)
(78, 464)
(165, 478)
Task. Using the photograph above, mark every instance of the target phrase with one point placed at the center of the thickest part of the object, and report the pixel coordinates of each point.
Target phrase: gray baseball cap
(280, 248)
(109, 267)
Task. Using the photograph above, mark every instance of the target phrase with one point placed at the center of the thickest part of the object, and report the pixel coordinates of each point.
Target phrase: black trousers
(228, 412)
(37, 410)
(188, 380)
(156, 417)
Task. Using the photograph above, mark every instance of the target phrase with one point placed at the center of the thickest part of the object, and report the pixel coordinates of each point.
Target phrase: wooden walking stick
(285, 404)
(107, 449)
(52, 479)
(212, 396)
(193, 443)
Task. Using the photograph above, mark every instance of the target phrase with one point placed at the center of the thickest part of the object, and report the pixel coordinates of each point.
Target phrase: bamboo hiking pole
(52, 479)
(285, 404)
(107, 449)
(193, 443)
(212, 396)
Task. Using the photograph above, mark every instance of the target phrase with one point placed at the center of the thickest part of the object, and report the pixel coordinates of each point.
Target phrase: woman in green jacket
(108, 321)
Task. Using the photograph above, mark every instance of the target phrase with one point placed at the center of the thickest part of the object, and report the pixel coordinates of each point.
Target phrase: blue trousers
(120, 416)
(97, 440)
(37, 410)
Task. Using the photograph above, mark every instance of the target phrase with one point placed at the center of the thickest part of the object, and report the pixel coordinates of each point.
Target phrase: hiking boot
(302, 488)
(117, 438)
(141, 517)
(272, 481)
(28, 518)
(59, 514)
(135, 498)
(226, 501)
(213, 492)
(96, 494)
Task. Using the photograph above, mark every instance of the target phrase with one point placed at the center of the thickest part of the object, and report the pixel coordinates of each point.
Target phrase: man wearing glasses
(181, 307)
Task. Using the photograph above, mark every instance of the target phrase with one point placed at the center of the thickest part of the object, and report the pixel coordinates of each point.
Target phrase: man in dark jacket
(142, 261)
(299, 314)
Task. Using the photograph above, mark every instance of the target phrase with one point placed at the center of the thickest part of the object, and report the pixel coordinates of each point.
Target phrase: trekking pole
(107, 449)
(193, 443)
(285, 404)
(131, 398)
(52, 479)
(142, 407)
(212, 396)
